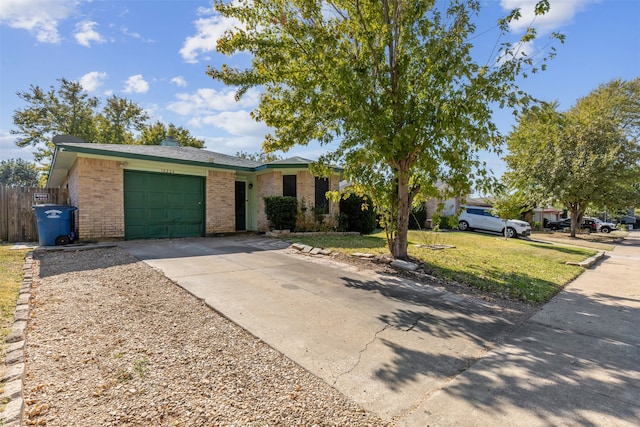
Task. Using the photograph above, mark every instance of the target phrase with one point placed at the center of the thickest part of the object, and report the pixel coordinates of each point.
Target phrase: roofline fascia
(53, 162)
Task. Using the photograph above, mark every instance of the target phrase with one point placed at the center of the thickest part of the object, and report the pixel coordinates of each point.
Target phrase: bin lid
(53, 205)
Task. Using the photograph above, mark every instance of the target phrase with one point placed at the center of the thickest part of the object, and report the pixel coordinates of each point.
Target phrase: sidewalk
(576, 362)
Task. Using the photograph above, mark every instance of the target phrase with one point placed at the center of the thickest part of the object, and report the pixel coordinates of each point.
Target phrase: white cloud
(9, 150)
(39, 17)
(179, 81)
(232, 145)
(93, 80)
(136, 84)
(86, 34)
(213, 110)
(204, 101)
(560, 14)
(134, 35)
(237, 123)
(208, 31)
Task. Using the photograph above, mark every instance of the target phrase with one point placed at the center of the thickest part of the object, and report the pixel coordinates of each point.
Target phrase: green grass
(515, 269)
(11, 263)
(11, 275)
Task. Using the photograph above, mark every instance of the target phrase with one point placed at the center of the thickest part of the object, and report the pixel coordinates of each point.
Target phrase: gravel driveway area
(112, 342)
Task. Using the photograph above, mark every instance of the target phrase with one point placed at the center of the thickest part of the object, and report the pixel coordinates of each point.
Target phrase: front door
(241, 205)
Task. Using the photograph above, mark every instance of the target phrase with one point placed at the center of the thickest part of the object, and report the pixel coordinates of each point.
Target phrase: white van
(477, 218)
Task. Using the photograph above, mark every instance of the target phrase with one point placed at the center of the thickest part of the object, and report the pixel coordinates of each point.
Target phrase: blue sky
(156, 52)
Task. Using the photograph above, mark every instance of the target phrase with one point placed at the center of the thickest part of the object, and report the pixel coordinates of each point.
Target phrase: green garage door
(162, 205)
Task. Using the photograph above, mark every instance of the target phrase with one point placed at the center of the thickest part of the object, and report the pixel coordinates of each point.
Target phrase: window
(475, 211)
(322, 186)
(289, 186)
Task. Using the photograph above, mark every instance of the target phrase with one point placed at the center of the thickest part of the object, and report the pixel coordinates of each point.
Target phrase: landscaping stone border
(14, 359)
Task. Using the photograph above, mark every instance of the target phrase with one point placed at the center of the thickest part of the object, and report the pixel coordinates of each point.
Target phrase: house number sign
(167, 171)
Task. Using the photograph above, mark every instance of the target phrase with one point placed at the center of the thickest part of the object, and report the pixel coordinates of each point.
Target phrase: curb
(588, 263)
(14, 359)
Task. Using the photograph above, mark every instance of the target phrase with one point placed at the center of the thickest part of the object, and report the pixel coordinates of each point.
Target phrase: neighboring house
(545, 215)
(451, 206)
(631, 219)
(144, 191)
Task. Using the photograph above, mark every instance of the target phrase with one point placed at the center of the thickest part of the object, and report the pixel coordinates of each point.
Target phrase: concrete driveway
(389, 344)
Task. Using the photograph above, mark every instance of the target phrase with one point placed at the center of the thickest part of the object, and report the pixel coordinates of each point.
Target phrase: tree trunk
(576, 218)
(401, 241)
(574, 224)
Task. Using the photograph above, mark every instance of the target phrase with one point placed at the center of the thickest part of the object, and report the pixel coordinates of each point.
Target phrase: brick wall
(306, 189)
(334, 185)
(269, 184)
(98, 187)
(221, 201)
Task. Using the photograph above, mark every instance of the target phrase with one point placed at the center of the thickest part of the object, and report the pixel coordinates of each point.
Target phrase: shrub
(281, 212)
(418, 217)
(354, 218)
(445, 222)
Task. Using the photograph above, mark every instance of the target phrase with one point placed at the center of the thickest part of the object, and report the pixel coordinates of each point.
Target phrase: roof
(68, 148)
(158, 152)
(291, 161)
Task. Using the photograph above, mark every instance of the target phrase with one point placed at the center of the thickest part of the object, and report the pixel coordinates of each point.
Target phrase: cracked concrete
(366, 347)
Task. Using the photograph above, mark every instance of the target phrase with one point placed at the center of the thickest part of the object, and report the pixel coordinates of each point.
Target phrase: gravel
(112, 342)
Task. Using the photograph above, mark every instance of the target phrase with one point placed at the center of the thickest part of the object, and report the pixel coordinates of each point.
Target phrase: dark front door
(241, 206)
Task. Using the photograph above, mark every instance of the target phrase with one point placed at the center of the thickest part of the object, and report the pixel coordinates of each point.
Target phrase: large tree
(157, 132)
(69, 110)
(119, 121)
(391, 83)
(586, 156)
(18, 173)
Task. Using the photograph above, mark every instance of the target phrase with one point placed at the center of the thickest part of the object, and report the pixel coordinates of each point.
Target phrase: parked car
(587, 224)
(605, 227)
(476, 218)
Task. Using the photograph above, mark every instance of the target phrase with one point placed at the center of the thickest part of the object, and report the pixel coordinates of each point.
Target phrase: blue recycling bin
(54, 224)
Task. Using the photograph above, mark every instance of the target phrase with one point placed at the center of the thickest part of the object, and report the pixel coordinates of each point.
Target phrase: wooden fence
(17, 219)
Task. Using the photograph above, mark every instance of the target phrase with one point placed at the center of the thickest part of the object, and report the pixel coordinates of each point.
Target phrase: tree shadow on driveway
(573, 370)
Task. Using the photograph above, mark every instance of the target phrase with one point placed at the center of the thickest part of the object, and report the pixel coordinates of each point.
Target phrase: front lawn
(11, 263)
(516, 269)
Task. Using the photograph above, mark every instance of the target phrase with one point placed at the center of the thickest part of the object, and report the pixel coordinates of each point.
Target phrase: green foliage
(157, 132)
(119, 119)
(391, 84)
(260, 157)
(357, 214)
(508, 205)
(18, 173)
(281, 212)
(69, 110)
(141, 366)
(444, 222)
(587, 156)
